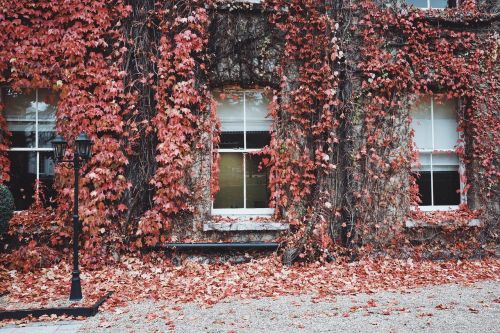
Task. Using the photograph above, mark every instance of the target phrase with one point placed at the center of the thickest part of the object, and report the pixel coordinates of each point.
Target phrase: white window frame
(35, 149)
(433, 151)
(265, 212)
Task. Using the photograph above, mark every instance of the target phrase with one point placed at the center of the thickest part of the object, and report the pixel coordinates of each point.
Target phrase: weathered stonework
(245, 49)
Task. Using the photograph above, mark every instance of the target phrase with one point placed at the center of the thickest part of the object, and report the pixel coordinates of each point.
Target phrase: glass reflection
(20, 113)
(47, 107)
(230, 181)
(417, 3)
(30, 116)
(23, 176)
(257, 183)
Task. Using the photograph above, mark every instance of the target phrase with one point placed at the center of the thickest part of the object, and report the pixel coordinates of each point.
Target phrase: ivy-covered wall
(138, 75)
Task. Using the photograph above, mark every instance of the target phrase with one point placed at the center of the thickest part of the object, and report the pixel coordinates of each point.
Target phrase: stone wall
(244, 48)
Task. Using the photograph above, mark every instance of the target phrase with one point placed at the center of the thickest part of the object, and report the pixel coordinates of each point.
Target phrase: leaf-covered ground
(445, 308)
(135, 280)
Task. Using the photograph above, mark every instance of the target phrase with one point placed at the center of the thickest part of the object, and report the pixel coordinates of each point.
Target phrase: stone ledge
(419, 223)
(245, 226)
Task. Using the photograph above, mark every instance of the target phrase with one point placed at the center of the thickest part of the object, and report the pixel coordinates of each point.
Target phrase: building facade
(243, 121)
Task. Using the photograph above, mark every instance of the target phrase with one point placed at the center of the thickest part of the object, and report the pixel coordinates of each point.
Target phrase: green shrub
(6, 208)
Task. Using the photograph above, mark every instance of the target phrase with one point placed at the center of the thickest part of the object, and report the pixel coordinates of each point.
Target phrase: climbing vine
(306, 111)
(135, 76)
(410, 54)
(74, 48)
(386, 58)
(183, 113)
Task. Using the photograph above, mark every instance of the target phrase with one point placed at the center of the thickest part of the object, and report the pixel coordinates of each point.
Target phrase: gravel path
(448, 308)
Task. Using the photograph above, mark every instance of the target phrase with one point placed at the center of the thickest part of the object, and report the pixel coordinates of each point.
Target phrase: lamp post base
(76, 288)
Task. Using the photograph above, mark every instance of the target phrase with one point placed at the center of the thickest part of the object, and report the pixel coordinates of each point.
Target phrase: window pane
(445, 124)
(417, 3)
(46, 169)
(445, 162)
(258, 139)
(425, 161)
(23, 134)
(421, 123)
(446, 186)
(47, 104)
(230, 181)
(424, 188)
(19, 106)
(231, 140)
(230, 111)
(439, 3)
(20, 112)
(23, 176)
(256, 112)
(257, 190)
(445, 176)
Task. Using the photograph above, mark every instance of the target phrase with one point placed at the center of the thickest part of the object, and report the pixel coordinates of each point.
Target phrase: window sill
(243, 212)
(245, 225)
(419, 223)
(436, 208)
(430, 8)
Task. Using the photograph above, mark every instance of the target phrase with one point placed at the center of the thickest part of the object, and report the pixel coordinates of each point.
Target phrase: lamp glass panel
(59, 149)
(46, 176)
(83, 148)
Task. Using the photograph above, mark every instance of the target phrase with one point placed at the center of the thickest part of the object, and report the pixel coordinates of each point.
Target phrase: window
(245, 129)
(434, 4)
(31, 119)
(435, 127)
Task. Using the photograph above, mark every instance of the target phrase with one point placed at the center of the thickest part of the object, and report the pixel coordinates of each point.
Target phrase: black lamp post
(82, 153)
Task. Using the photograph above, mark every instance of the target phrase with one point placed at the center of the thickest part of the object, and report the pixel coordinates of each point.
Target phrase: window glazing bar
(36, 121)
(244, 181)
(433, 146)
(29, 149)
(244, 121)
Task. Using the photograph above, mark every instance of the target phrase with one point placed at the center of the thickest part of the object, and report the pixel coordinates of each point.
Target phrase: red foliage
(399, 55)
(77, 48)
(31, 257)
(305, 110)
(441, 61)
(74, 48)
(184, 112)
(134, 279)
